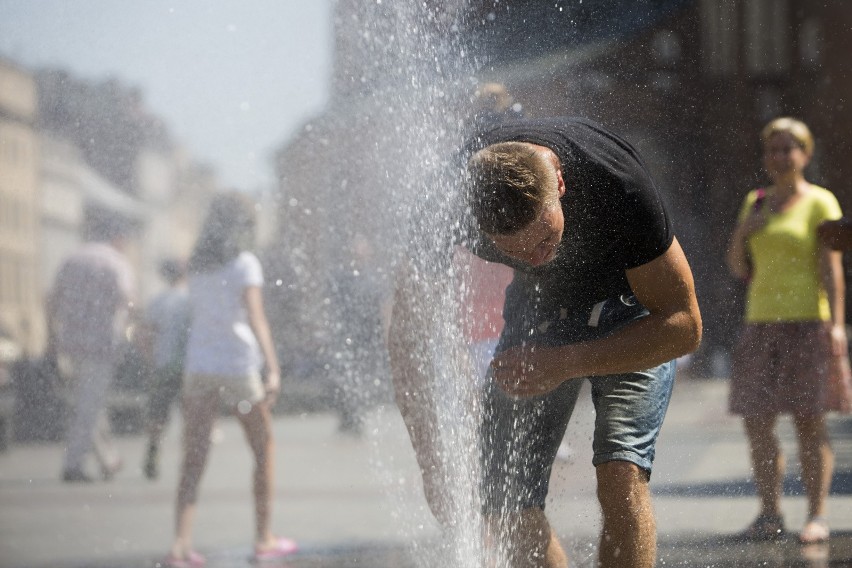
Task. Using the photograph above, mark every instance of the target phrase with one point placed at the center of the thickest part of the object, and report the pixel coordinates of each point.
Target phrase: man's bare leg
(629, 536)
(526, 539)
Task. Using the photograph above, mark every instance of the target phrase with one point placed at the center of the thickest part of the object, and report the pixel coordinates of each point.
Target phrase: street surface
(357, 501)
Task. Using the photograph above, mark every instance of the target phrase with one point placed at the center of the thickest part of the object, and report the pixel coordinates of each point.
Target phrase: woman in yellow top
(794, 328)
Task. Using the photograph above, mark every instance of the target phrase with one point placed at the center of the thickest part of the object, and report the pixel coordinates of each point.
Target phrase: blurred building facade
(19, 206)
(689, 82)
(153, 182)
(73, 151)
(73, 195)
(336, 197)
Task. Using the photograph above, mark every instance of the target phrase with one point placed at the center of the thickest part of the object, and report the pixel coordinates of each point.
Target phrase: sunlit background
(145, 110)
(229, 82)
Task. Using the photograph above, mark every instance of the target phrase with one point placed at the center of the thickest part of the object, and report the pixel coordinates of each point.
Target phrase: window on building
(666, 48)
(719, 22)
(767, 103)
(9, 217)
(5, 215)
(810, 43)
(5, 284)
(15, 292)
(25, 287)
(767, 37)
(10, 150)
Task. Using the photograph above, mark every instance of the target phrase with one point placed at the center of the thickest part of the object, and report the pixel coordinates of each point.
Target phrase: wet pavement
(357, 501)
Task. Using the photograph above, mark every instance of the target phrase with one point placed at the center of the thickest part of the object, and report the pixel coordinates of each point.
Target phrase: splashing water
(417, 85)
(420, 110)
(386, 154)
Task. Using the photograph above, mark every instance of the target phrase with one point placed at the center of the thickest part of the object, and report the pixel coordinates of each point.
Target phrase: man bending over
(602, 290)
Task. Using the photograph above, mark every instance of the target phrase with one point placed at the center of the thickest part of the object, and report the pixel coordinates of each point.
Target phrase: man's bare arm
(673, 328)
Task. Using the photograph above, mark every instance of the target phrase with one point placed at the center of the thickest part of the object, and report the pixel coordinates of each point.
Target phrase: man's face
(535, 244)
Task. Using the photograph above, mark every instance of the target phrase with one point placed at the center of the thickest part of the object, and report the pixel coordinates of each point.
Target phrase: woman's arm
(737, 256)
(831, 275)
(253, 298)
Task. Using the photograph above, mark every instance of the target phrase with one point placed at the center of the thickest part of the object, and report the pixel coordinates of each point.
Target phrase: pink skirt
(781, 368)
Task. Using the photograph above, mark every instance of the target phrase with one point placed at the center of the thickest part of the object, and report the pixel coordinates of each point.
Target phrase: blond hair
(509, 182)
(795, 128)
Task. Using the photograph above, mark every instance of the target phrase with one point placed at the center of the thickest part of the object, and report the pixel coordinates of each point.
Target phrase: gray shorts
(232, 390)
(520, 436)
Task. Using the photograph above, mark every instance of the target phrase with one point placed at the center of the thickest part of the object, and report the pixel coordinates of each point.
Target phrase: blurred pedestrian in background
(163, 333)
(482, 287)
(493, 104)
(794, 336)
(361, 311)
(837, 234)
(229, 344)
(483, 284)
(87, 313)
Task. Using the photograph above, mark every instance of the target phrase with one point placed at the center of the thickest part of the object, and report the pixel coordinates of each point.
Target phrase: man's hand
(526, 371)
(672, 328)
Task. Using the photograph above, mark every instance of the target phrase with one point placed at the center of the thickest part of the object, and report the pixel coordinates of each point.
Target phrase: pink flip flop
(282, 547)
(193, 560)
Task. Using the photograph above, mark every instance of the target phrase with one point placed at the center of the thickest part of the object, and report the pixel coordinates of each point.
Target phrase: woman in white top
(229, 344)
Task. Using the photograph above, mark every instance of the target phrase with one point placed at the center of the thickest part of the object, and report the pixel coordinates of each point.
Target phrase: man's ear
(560, 183)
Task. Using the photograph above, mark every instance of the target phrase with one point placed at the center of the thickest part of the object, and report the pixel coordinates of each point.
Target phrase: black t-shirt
(615, 218)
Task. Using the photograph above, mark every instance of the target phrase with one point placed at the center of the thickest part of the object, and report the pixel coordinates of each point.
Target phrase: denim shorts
(520, 436)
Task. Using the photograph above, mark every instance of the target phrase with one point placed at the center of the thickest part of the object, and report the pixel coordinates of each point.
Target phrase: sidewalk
(358, 502)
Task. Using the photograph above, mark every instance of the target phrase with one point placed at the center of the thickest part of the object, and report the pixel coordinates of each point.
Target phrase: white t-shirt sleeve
(250, 270)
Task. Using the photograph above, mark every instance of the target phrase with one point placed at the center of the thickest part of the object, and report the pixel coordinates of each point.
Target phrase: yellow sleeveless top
(785, 283)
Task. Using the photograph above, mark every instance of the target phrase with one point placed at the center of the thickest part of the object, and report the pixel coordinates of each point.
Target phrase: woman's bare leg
(199, 415)
(817, 466)
(257, 424)
(767, 461)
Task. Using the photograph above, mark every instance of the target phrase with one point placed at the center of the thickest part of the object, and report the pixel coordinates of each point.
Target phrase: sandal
(764, 527)
(282, 547)
(815, 531)
(192, 560)
(108, 471)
